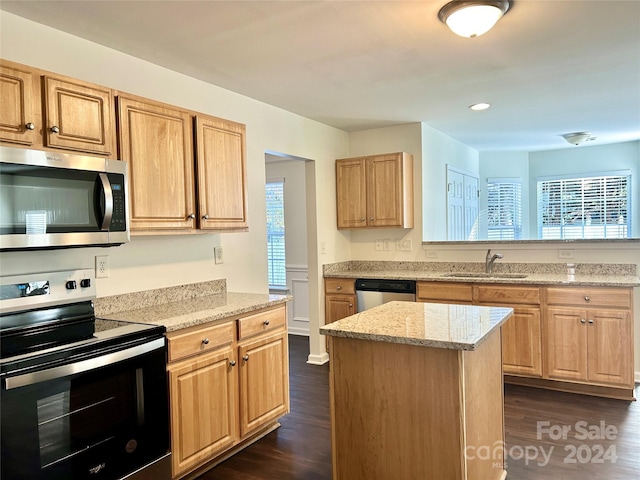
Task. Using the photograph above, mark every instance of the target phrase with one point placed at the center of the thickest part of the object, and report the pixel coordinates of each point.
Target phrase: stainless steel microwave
(57, 200)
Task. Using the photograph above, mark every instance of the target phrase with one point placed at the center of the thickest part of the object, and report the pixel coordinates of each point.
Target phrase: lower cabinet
(521, 334)
(204, 408)
(589, 345)
(521, 343)
(339, 300)
(590, 336)
(228, 384)
(264, 382)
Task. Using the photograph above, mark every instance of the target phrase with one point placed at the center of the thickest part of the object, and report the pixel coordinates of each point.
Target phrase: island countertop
(437, 325)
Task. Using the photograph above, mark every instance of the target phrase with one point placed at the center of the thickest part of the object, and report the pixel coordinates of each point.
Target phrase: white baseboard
(318, 359)
(637, 377)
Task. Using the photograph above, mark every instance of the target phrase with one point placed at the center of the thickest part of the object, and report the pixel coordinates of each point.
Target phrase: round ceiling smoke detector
(576, 138)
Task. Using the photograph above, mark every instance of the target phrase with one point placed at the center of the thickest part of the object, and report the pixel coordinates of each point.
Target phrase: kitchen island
(416, 392)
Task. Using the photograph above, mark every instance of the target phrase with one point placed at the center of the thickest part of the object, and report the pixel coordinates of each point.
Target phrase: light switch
(217, 254)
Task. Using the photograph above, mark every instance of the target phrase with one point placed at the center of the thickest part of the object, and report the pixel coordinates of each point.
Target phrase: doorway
(287, 240)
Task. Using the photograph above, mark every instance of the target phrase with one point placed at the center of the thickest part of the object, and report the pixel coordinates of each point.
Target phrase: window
(275, 234)
(594, 206)
(504, 209)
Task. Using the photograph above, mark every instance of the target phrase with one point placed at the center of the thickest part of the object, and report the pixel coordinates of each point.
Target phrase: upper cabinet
(40, 110)
(375, 191)
(158, 142)
(19, 98)
(222, 176)
(187, 171)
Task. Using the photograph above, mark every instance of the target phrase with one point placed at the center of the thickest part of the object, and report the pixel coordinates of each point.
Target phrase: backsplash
(472, 267)
(133, 301)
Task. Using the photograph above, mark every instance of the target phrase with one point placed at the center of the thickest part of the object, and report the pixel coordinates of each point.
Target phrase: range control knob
(71, 285)
(85, 282)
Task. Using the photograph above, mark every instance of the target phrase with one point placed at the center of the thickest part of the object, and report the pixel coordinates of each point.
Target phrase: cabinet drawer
(261, 322)
(507, 295)
(182, 345)
(438, 291)
(586, 296)
(340, 285)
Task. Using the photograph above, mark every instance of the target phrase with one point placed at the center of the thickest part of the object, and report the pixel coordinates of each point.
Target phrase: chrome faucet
(490, 260)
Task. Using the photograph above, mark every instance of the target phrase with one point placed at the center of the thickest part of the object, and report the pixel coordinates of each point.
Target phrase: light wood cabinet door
(384, 191)
(78, 116)
(339, 306)
(264, 381)
(521, 343)
(222, 176)
(608, 345)
(375, 191)
(203, 408)
(20, 116)
(566, 344)
(156, 140)
(351, 193)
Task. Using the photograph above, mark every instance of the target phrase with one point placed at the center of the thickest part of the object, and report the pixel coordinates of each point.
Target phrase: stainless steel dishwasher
(373, 292)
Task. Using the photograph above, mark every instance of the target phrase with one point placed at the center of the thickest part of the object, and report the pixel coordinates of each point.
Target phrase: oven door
(100, 418)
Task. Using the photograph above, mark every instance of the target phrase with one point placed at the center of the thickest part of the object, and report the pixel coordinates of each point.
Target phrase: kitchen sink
(484, 275)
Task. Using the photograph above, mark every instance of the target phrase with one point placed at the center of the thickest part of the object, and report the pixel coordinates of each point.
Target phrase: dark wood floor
(301, 448)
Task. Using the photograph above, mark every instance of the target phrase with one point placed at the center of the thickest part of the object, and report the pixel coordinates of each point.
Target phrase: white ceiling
(547, 68)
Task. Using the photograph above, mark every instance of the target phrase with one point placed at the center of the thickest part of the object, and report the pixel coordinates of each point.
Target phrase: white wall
(438, 151)
(152, 262)
(402, 138)
(504, 164)
(295, 218)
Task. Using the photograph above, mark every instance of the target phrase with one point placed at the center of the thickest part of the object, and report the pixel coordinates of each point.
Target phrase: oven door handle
(81, 366)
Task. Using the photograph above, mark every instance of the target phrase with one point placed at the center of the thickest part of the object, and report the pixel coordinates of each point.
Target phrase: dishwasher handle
(386, 285)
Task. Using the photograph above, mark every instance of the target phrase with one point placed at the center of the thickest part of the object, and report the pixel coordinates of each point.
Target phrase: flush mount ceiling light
(576, 138)
(472, 18)
(479, 106)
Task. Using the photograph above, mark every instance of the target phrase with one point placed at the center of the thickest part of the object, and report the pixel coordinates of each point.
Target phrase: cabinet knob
(371, 219)
(232, 363)
(591, 321)
(245, 358)
(205, 217)
(266, 323)
(205, 341)
(587, 299)
(583, 321)
(339, 287)
(351, 305)
(191, 216)
(55, 129)
(30, 126)
(362, 219)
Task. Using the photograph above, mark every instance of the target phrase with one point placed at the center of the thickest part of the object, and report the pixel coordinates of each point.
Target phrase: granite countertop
(436, 325)
(199, 310)
(605, 275)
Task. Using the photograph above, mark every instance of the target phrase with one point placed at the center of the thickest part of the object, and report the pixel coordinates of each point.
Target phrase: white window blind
(504, 209)
(588, 207)
(275, 234)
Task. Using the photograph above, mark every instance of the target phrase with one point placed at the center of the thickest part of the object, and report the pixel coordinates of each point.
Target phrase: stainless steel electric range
(81, 397)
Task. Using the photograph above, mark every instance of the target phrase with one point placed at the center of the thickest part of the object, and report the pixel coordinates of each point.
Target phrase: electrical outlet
(565, 253)
(379, 245)
(403, 245)
(102, 266)
(217, 255)
(386, 245)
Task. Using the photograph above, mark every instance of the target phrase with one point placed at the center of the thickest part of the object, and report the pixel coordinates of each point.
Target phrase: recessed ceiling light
(479, 106)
